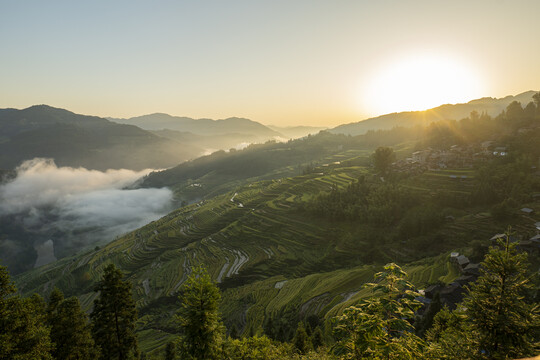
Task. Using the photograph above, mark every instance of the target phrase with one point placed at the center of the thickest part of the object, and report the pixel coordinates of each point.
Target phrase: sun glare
(420, 82)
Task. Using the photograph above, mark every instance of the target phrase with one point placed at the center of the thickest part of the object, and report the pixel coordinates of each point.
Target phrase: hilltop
(487, 105)
(160, 121)
(79, 140)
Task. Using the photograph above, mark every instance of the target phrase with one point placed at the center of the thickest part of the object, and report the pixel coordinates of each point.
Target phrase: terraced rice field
(265, 254)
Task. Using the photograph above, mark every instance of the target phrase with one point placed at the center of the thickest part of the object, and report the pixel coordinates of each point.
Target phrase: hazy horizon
(286, 125)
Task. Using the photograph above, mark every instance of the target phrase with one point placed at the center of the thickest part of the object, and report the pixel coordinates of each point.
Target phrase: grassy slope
(266, 254)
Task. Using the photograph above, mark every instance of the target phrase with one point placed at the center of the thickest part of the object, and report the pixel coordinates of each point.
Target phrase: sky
(280, 62)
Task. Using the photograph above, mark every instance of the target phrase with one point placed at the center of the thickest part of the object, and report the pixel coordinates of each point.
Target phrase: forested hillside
(88, 141)
(489, 106)
(296, 229)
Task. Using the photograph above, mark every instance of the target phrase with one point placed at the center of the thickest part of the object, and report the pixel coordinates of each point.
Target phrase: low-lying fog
(74, 207)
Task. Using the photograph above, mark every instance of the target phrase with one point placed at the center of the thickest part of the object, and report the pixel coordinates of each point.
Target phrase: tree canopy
(202, 330)
(114, 316)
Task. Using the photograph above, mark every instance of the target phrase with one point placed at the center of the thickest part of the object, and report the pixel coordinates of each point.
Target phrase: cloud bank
(79, 205)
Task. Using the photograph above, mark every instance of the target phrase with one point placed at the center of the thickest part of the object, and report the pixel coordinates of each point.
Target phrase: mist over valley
(74, 208)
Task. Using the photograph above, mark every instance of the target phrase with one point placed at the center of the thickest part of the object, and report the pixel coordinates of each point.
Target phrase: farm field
(268, 254)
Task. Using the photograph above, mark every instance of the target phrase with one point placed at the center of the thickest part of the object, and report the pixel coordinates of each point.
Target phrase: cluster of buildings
(455, 157)
(452, 294)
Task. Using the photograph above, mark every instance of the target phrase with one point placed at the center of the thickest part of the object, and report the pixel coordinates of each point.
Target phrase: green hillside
(489, 106)
(89, 141)
(269, 256)
(293, 230)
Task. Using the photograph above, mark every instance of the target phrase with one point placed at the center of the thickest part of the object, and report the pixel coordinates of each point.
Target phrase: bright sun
(420, 82)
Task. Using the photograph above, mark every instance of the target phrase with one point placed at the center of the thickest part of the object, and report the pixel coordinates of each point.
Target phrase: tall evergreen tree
(70, 330)
(170, 351)
(499, 305)
(383, 157)
(114, 316)
(199, 317)
(23, 334)
(301, 340)
(317, 338)
(378, 327)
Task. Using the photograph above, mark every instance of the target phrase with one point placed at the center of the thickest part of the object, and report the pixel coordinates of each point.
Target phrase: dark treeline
(31, 328)
(369, 202)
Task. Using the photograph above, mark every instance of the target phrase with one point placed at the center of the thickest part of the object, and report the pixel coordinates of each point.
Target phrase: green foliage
(6, 286)
(114, 316)
(504, 179)
(536, 99)
(23, 334)
(499, 305)
(427, 319)
(170, 351)
(450, 337)
(317, 338)
(498, 318)
(379, 327)
(70, 330)
(514, 111)
(383, 157)
(378, 204)
(199, 317)
(420, 221)
(256, 348)
(319, 258)
(301, 340)
(504, 210)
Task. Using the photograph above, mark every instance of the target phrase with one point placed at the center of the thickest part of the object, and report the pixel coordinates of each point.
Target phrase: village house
(420, 156)
(500, 151)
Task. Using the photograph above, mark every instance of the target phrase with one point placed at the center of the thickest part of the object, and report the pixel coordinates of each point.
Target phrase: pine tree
(301, 340)
(199, 317)
(379, 327)
(450, 336)
(23, 334)
(114, 316)
(70, 330)
(499, 305)
(383, 158)
(170, 351)
(317, 338)
(233, 333)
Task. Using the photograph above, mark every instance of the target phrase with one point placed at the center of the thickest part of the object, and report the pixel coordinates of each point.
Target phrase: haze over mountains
(215, 134)
(491, 106)
(70, 141)
(289, 229)
(162, 121)
(60, 192)
(161, 140)
(292, 230)
(79, 140)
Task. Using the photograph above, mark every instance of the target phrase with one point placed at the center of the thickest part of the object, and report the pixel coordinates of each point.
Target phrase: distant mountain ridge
(80, 140)
(207, 127)
(491, 106)
(294, 132)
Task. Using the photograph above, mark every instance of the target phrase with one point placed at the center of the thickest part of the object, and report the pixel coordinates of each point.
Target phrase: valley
(292, 230)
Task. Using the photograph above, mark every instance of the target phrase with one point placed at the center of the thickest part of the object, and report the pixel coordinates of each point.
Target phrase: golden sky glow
(420, 81)
(281, 62)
